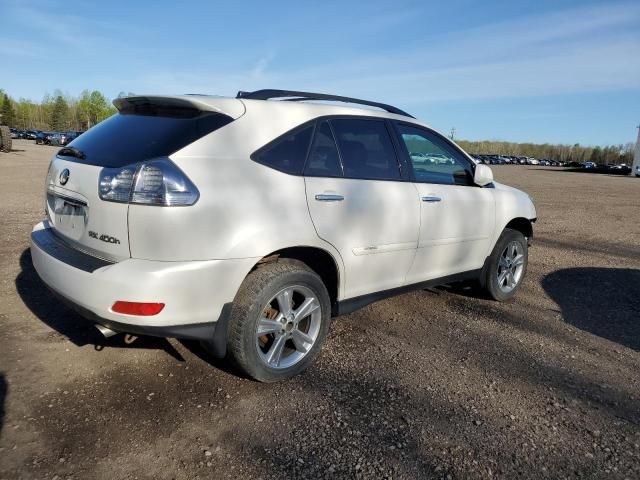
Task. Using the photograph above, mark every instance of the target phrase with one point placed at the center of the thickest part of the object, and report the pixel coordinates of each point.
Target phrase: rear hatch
(79, 217)
(145, 128)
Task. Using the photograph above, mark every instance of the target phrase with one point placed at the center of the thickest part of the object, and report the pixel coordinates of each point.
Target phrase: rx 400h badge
(104, 238)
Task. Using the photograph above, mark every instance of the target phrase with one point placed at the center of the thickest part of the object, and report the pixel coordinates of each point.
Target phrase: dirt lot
(430, 384)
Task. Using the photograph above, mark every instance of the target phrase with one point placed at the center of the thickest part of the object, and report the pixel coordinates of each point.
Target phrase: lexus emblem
(64, 176)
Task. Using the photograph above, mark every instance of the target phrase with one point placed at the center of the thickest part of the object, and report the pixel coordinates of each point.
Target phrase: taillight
(115, 184)
(156, 182)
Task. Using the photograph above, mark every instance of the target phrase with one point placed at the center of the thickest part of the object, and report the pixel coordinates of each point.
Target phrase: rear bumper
(213, 332)
(195, 293)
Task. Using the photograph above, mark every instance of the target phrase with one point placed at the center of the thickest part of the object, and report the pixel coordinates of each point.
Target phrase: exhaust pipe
(106, 332)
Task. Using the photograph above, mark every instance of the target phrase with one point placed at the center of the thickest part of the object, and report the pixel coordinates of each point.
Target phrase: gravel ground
(431, 384)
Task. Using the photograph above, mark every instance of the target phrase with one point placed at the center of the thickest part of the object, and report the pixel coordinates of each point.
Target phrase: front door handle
(329, 197)
(431, 198)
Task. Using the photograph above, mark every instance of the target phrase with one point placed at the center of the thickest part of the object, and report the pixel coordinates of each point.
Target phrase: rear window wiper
(72, 152)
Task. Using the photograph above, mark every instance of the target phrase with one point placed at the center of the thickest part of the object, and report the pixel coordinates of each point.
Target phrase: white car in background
(248, 222)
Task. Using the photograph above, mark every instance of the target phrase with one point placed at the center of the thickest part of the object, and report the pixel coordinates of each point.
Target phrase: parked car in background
(14, 133)
(44, 138)
(71, 136)
(58, 139)
(589, 165)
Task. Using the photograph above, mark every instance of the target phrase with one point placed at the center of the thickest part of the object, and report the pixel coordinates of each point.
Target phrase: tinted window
(433, 159)
(323, 158)
(123, 139)
(288, 153)
(366, 149)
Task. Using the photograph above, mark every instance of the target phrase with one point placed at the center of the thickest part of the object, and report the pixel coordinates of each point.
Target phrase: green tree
(7, 111)
(100, 108)
(60, 114)
(596, 155)
(92, 108)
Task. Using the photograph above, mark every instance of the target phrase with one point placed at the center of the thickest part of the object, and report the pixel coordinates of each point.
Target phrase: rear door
(457, 216)
(360, 202)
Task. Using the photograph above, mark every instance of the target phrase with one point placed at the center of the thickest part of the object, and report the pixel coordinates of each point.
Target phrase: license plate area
(68, 215)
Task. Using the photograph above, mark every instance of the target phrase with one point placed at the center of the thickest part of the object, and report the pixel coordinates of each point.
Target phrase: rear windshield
(127, 138)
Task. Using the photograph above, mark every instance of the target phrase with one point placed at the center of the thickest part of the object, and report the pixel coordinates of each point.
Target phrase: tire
(260, 297)
(5, 139)
(497, 264)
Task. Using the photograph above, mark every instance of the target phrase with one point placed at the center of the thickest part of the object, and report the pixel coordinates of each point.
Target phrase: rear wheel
(279, 321)
(506, 266)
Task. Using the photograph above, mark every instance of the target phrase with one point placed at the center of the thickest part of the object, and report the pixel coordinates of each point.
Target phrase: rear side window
(287, 153)
(324, 160)
(366, 149)
(127, 138)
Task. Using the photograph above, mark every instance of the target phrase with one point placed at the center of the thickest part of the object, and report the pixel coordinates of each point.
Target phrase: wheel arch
(522, 225)
(317, 259)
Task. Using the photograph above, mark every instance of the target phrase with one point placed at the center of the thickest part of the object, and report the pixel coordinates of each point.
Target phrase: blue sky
(544, 71)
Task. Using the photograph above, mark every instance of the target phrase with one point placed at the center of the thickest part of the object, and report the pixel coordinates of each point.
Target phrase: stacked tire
(5, 139)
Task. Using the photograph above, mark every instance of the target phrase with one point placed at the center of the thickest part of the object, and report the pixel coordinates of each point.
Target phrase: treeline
(565, 153)
(57, 112)
(60, 112)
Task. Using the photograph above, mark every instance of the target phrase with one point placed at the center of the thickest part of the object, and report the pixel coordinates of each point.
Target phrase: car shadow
(51, 311)
(469, 288)
(602, 301)
(224, 364)
(4, 390)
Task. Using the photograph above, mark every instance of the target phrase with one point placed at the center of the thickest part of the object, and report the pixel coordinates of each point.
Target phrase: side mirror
(483, 175)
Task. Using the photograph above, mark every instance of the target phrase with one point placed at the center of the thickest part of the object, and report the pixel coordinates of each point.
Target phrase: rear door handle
(431, 198)
(329, 197)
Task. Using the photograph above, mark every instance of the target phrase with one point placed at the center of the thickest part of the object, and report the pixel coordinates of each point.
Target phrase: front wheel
(506, 266)
(279, 321)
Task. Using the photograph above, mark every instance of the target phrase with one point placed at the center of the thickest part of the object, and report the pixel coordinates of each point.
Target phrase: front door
(457, 216)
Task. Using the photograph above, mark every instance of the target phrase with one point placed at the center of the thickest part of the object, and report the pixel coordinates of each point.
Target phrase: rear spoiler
(180, 106)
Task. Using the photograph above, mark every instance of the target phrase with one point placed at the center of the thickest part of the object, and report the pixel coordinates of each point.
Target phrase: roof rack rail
(294, 96)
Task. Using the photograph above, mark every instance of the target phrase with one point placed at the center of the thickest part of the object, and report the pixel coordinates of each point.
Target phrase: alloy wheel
(288, 327)
(510, 267)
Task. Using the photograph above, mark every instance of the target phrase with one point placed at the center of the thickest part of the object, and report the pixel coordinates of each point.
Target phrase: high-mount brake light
(156, 182)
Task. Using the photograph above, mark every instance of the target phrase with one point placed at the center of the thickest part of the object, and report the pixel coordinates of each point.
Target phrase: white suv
(248, 222)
